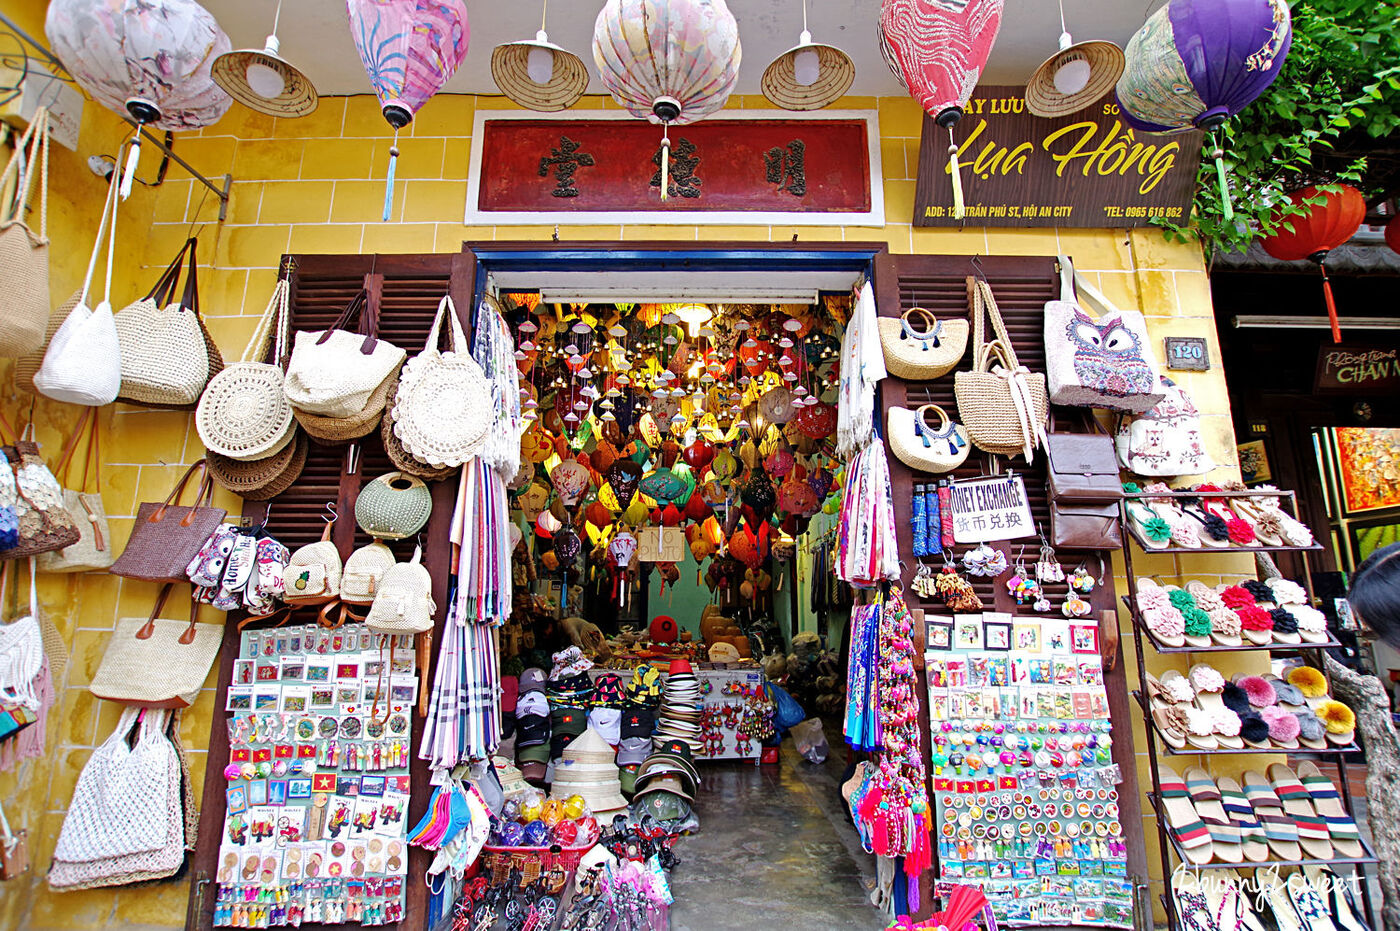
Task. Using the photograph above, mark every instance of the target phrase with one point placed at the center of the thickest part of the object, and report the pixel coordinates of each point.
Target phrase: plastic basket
(530, 861)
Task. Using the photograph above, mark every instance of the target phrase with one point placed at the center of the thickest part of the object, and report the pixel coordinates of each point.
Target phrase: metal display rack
(1141, 635)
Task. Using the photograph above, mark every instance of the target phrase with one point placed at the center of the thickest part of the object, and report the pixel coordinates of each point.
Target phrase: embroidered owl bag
(1097, 361)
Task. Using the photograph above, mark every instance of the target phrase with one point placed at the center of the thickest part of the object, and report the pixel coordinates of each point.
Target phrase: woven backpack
(404, 603)
(313, 573)
(364, 573)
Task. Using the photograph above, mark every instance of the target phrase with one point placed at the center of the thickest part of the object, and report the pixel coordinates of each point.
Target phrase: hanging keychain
(1021, 585)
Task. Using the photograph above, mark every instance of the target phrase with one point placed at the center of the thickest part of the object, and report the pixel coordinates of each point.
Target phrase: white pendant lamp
(809, 75)
(537, 74)
(1075, 77)
(262, 80)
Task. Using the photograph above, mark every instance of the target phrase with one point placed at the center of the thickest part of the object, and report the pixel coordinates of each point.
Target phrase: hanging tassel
(133, 158)
(959, 210)
(1227, 208)
(389, 180)
(665, 160)
(1331, 304)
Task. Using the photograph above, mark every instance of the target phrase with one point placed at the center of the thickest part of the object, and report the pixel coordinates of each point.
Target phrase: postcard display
(1025, 788)
(318, 784)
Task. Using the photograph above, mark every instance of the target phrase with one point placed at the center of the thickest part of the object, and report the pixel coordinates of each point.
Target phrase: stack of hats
(566, 723)
(570, 689)
(605, 715)
(666, 781)
(532, 727)
(634, 730)
(587, 769)
(679, 718)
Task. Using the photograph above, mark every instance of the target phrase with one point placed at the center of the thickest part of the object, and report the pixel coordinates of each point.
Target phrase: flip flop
(1184, 825)
(1279, 830)
(1153, 530)
(1200, 729)
(1252, 838)
(1171, 722)
(1345, 837)
(1312, 830)
(1224, 836)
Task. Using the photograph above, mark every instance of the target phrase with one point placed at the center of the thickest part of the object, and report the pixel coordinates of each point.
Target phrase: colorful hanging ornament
(1196, 63)
(150, 61)
(938, 48)
(668, 61)
(1323, 228)
(410, 49)
(571, 479)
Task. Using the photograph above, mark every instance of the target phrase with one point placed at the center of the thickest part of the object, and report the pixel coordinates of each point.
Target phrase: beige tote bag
(24, 257)
(94, 547)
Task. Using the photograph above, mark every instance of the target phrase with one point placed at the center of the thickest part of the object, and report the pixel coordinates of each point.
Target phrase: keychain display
(318, 778)
(955, 591)
(982, 560)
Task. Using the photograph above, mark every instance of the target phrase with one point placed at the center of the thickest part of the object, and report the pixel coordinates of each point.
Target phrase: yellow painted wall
(315, 186)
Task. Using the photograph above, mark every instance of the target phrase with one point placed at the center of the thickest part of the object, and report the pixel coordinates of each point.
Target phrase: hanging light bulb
(806, 64)
(539, 61)
(263, 80)
(1072, 76)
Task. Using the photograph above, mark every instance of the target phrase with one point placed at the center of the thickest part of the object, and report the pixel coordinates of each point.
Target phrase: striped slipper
(1252, 838)
(1279, 829)
(1183, 823)
(1345, 837)
(1312, 830)
(1224, 835)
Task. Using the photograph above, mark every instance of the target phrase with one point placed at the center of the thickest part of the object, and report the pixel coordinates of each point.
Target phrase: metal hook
(331, 509)
(978, 270)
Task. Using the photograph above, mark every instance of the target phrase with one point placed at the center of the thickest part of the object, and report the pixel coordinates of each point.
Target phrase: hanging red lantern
(696, 509)
(1392, 234)
(1323, 228)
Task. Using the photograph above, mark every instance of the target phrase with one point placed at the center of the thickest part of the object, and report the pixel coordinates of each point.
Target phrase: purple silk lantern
(1196, 63)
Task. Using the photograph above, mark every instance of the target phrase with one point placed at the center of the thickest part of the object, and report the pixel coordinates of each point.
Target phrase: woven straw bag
(167, 535)
(364, 573)
(94, 547)
(243, 413)
(404, 603)
(24, 257)
(442, 411)
(157, 662)
(44, 523)
(920, 445)
(334, 372)
(336, 430)
(918, 346)
(261, 479)
(313, 572)
(402, 460)
(1003, 407)
(168, 355)
(27, 366)
(394, 506)
(83, 362)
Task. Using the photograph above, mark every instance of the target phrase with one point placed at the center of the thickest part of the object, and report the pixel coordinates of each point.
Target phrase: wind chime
(410, 49)
(668, 61)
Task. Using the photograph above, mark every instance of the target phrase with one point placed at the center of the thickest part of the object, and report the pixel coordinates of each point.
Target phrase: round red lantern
(1323, 228)
(1392, 234)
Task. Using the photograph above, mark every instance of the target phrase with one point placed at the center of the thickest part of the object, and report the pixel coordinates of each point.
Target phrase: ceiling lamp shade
(1323, 228)
(808, 76)
(1074, 77)
(410, 49)
(668, 61)
(938, 49)
(537, 74)
(1196, 63)
(262, 80)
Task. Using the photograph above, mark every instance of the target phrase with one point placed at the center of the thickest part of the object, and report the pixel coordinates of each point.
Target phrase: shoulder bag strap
(36, 139)
(998, 325)
(149, 627)
(974, 302)
(187, 637)
(108, 208)
(351, 312)
(431, 344)
(1067, 277)
(165, 284)
(256, 350)
(179, 489)
(62, 467)
(190, 298)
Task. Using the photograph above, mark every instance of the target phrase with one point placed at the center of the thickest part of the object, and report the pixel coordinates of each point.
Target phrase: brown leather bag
(1084, 490)
(167, 536)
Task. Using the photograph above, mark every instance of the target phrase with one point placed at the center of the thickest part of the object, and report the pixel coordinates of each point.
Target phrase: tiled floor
(775, 850)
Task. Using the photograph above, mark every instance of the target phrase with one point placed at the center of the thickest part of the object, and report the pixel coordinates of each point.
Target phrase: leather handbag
(1003, 406)
(157, 662)
(93, 550)
(24, 257)
(1084, 491)
(43, 524)
(167, 535)
(167, 353)
(335, 372)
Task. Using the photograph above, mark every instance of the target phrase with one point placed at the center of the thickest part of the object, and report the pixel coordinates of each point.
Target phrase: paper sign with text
(991, 509)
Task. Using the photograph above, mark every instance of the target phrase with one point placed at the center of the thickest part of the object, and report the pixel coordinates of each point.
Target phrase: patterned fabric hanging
(494, 350)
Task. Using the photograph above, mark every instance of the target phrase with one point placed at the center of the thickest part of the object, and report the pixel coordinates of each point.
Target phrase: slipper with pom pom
(1339, 720)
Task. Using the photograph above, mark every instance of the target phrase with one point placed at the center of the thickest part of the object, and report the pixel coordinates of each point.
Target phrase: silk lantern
(571, 479)
(1321, 229)
(410, 49)
(1196, 63)
(668, 61)
(938, 48)
(150, 61)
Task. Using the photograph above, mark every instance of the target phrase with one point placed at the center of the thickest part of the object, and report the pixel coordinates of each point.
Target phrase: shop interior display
(1270, 819)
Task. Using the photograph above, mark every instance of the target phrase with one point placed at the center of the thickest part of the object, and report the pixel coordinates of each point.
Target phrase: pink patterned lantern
(668, 61)
(410, 49)
(571, 479)
(938, 48)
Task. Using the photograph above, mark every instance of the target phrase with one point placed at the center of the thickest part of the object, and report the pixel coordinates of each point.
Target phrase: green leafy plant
(1330, 117)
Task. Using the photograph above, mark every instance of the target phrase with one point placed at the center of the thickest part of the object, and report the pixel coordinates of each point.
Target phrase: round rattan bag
(243, 413)
(442, 410)
(334, 430)
(402, 460)
(394, 506)
(261, 479)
